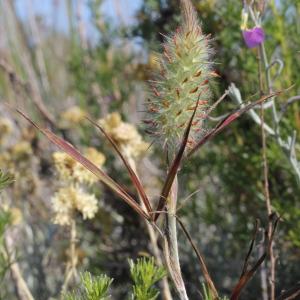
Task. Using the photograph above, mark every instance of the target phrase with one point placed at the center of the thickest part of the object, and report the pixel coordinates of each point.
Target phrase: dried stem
(263, 269)
(22, 289)
(40, 59)
(266, 182)
(152, 234)
(71, 270)
(202, 263)
(20, 48)
(81, 25)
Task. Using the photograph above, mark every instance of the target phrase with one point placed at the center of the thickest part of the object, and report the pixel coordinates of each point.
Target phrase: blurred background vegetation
(73, 56)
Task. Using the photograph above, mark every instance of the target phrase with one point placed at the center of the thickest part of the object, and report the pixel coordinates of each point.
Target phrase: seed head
(181, 81)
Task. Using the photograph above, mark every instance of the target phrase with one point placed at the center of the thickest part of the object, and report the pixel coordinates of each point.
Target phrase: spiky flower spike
(182, 80)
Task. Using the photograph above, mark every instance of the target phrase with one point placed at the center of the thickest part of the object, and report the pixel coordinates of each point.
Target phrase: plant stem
(263, 56)
(153, 236)
(71, 271)
(263, 269)
(22, 289)
(171, 243)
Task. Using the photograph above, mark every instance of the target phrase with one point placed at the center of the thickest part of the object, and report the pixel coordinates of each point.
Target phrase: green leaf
(92, 288)
(5, 180)
(145, 274)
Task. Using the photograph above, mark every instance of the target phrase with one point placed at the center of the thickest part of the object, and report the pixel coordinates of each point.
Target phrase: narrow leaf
(174, 168)
(134, 178)
(103, 177)
(247, 275)
(227, 121)
(201, 260)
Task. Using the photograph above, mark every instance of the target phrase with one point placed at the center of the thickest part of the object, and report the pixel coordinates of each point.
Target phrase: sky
(54, 11)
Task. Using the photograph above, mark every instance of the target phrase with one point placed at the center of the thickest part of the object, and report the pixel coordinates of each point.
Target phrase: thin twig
(201, 260)
(22, 289)
(266, 187)
(71, 270)
(263, 270)
(152, 234)
(26, 61)
(28, 89)
(287, 104)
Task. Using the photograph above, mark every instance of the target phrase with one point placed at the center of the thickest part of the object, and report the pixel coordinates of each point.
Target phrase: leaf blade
(134, 178)
(228, 120)
(174, 167)
(76, 155)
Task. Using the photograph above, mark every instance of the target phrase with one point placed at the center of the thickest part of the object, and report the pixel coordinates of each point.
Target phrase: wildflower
(181, 81)
(6, 128)
(86, 204)
(64, 164)
(71, 199)
(71, 170)
(21, 151)
(81, 174)
(254, 37)
(73, 115)
(124, 134)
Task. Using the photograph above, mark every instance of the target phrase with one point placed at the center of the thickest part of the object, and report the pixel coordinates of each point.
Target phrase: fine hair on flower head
(181, 83)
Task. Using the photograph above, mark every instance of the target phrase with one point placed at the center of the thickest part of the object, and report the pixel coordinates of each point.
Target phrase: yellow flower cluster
(21, 150)
(6, 128)
(70, 199)
(73, 115)
(16, 156)
(70, 170)
(124, 134)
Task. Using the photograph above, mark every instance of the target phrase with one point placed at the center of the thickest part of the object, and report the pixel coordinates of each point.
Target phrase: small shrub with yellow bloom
(124, 134)
(70, 170)
(6, 128)
(72, 116)
(72, 197)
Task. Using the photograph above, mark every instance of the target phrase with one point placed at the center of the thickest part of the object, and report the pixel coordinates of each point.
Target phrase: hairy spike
(189, 15)
(183, 75)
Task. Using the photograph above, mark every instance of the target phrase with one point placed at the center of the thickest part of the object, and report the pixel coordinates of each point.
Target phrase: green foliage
(207, 295)
(4, 221)
(103, 71)
(5, 180)
(145, 274)
(93, 288)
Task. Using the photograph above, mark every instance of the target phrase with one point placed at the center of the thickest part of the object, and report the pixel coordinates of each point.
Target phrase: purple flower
(253, 37)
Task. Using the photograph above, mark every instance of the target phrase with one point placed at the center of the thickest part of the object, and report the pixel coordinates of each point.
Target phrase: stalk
(153, 236)
(171, 243)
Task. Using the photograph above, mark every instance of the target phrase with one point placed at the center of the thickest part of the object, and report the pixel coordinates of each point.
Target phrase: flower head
(125, 135)
(71, 170)
(6, 128)
(81, 174)
(181, 81)
(254, 37)
(72, 116)
(68, 200)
